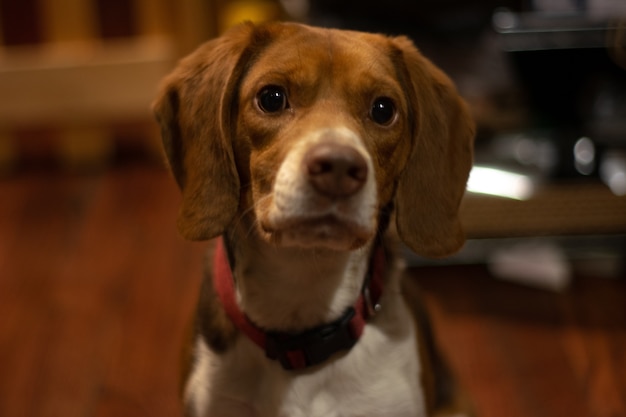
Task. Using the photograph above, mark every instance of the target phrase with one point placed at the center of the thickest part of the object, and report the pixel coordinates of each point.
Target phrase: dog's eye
(383, 111)
(272, 99)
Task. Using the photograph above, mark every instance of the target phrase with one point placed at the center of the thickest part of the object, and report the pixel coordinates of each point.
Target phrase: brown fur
(205, 104)
(224, 155)
(440, 160)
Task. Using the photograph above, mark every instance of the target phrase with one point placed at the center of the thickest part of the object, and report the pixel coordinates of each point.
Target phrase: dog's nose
(335, 170)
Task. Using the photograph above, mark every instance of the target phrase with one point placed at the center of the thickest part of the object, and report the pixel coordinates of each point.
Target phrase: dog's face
(306, 134)
(324, 139)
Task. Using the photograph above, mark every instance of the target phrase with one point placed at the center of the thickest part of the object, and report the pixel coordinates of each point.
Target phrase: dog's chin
(326, 232)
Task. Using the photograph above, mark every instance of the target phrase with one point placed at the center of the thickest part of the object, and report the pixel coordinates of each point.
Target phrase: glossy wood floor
(96, 288)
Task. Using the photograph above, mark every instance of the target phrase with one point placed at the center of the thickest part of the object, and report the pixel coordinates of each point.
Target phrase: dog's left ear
(195, 109)
(433, 183)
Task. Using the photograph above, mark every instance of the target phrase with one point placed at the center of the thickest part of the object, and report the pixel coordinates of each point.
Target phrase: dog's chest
(379, 376)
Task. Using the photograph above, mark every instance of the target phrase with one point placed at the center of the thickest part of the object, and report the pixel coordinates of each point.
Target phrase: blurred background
(95, 284)
(545, 79)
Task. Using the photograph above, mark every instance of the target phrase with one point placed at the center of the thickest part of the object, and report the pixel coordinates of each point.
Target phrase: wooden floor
(96, 287)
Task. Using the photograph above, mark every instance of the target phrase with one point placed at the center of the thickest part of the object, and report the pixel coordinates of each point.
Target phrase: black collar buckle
(314, 346)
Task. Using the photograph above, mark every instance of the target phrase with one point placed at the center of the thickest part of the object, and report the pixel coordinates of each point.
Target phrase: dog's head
(309, 133)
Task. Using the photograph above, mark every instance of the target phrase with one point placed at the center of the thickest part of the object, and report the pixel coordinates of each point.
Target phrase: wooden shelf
(560, 209)
(81, 81)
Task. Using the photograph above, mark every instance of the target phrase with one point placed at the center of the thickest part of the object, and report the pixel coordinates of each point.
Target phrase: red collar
(313, 346)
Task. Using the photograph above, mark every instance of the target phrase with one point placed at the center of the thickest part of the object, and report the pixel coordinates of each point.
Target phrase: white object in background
(497, 182)
(541, 265)
(613, 172)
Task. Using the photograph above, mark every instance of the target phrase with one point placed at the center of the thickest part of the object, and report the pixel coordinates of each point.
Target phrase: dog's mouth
(327, 231)
(324, 194)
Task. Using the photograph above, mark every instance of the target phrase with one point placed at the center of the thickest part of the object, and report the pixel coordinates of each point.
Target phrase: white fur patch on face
(301, 216)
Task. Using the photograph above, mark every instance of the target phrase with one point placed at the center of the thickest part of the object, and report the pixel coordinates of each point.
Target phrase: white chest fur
(378, 377)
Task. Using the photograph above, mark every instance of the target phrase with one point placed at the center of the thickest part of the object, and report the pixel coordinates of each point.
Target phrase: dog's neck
(291, 289)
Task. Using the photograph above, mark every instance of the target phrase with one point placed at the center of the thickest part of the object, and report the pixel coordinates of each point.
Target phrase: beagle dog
(304, 151)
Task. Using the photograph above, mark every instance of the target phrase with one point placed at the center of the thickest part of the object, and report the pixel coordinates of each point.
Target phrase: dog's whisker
(251, 212)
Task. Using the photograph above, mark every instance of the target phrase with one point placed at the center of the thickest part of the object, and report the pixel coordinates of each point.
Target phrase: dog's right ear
(195, 107)
(433, 183)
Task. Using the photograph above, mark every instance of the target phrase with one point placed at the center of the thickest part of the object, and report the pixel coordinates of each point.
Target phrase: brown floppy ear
(195, 108)
(432, 185)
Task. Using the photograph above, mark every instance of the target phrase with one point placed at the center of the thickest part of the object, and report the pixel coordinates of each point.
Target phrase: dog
(306, 152)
